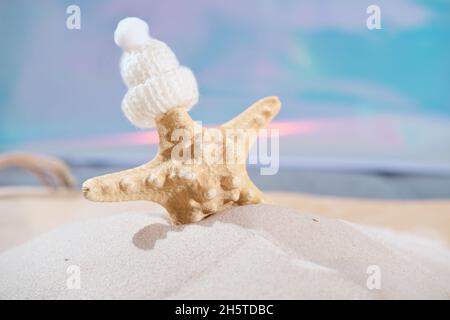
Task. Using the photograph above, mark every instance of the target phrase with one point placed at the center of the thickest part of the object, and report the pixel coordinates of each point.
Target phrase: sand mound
(252, 252)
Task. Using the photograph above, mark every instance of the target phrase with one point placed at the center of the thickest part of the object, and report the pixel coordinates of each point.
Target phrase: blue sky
(318, 56)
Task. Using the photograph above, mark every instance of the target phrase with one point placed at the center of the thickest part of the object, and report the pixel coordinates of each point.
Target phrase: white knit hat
(156, 82)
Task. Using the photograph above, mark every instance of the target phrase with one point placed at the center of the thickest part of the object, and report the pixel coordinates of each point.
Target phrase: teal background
(362, 93)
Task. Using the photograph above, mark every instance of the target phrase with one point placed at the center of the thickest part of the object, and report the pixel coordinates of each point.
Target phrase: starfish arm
(140, 183)
(257, 116)
(245, 126)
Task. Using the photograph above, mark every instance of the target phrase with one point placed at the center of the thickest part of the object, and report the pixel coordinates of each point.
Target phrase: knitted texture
(156, 82)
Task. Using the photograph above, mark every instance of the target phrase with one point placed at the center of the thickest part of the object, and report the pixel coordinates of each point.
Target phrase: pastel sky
(318, 56)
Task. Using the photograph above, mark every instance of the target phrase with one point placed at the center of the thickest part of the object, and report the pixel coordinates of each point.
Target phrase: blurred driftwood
(49, 171)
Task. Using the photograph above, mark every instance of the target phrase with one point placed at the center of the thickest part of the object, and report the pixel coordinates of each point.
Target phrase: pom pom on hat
(131, 33)
(156, 81)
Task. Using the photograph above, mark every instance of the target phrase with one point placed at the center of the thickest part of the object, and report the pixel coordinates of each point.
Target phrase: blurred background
(366, 113)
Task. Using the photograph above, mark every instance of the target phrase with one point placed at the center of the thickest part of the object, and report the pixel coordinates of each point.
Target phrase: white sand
(26, 213)
(253, 252)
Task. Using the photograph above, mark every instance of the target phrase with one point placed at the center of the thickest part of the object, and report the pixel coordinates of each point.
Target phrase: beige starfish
(192, 180)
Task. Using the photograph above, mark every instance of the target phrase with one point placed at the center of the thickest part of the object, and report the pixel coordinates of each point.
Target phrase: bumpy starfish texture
(205, 175)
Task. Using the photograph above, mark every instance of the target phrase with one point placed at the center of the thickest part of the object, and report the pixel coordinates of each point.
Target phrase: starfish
(197, 171)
